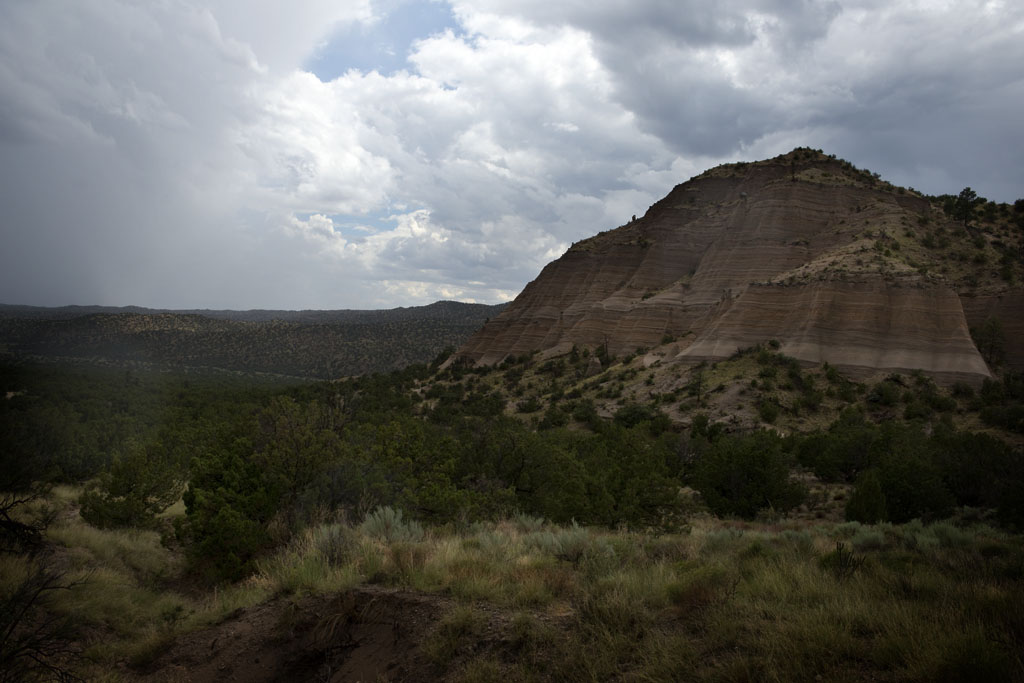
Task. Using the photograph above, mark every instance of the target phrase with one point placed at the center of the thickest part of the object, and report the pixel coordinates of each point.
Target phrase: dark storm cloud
(665, 60)
(179, 154)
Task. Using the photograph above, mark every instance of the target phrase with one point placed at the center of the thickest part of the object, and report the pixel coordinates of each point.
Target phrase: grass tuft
(454, 634)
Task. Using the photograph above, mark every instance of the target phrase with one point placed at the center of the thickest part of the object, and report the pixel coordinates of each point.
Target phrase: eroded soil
(366, 634)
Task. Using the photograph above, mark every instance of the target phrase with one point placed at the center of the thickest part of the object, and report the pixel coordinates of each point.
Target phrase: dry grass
(724, 601)
(922, 602)
(122, 599)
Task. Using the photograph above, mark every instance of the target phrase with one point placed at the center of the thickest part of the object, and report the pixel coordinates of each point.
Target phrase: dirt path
(369, 633)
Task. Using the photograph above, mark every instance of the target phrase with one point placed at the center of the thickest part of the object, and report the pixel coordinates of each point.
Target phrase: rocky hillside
(834, 263)
(313, 344)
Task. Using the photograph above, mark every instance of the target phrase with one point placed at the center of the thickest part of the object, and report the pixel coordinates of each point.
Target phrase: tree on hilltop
(963, 205)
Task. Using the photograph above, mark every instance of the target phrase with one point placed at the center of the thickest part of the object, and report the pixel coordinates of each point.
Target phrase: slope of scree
(803, 248)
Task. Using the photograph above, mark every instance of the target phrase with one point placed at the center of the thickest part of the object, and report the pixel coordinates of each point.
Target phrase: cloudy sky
(379, 153)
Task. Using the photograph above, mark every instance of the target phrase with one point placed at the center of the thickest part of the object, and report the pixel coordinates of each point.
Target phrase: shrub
(811, 400)
(584, 411)
(848, 392)
(228, 506)
(527, 523)
(832, 375)
(940, 403)
(769, 411)
(227, 543)
(554, 417)
(846, 449)
(633, 414)
(885, 393)
(975, 467)
(917, 410)
(867, 502)
(386, 524)
(1008, 417)
(950, 536)
(140, 484)
(842, 562)
(868, 538)
(802, 540)
(530, 405)
(911, 479)
(334, 542)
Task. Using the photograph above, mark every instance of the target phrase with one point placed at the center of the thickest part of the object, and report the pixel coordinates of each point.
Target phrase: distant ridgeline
(308, 344)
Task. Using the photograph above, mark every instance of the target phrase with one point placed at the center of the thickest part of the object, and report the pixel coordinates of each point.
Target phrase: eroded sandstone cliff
(806, 249)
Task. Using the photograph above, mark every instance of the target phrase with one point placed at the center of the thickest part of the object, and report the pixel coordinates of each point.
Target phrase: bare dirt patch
(366, 634)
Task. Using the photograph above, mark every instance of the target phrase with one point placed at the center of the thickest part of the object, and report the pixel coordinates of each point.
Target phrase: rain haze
(326, 154)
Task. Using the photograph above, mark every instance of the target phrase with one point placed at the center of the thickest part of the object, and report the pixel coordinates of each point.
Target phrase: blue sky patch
(358, 228)
(383, 45)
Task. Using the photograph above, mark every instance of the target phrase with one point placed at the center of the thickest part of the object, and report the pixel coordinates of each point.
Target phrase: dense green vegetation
(313, 344)
(261, 477)
(262, 462)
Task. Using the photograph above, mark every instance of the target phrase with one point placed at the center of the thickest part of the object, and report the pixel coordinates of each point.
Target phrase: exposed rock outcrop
(803, 248)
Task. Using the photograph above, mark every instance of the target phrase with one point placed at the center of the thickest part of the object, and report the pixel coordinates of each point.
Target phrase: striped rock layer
(799, 249)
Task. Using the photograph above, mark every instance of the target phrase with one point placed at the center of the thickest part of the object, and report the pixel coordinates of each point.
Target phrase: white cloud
(307, 144)
(177, 154)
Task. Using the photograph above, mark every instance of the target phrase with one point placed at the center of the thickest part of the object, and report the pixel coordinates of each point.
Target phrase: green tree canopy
(741, 475)
(964, 205)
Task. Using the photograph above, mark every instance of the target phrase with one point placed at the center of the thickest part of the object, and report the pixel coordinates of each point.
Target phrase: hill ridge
(435, 309)
(836, 264)
(315, 345)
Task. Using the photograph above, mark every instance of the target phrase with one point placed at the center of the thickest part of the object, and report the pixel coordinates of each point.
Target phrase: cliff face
(805, 249)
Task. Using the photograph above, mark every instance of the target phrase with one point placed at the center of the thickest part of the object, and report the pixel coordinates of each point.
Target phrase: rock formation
(835, 264)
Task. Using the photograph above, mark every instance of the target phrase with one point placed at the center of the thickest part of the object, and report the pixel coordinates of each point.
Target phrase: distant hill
(310, 344)
(834, 263)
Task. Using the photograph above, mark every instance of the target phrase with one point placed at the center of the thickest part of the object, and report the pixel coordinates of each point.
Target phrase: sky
(380, 153)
